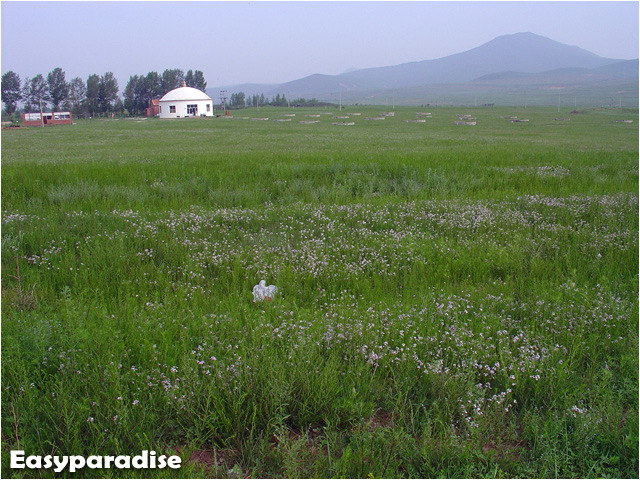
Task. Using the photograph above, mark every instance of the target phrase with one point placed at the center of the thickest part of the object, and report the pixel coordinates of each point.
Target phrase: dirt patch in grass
(213, 460)
(381, 419)
(507, 448)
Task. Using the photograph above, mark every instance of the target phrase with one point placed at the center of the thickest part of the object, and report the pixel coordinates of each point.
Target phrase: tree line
(240, 100)
(98, 95)
(142, 88)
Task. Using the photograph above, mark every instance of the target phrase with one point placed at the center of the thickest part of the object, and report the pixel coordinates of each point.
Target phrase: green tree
(237, 100)
(254, 101)
(36, 94)
(188, 78)
(195, 80)
(172, 79)
(11, 91)
(77, 95)
(279, 101)
(130, 100)
(140, 89)
(93, 92)
(199, 81)
(107, 92)
(58, 87)
(153, 83)
(141, 94)
(118, 106)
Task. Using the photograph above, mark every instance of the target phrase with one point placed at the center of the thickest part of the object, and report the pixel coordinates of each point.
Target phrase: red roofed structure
(153, 109)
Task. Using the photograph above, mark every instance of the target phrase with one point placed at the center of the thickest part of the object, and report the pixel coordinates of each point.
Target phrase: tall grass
(453, 301)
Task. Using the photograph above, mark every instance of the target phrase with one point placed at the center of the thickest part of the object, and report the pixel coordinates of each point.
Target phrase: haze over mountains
(497, 71)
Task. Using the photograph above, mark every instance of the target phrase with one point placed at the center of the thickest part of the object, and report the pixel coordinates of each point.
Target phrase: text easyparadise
(146, 459)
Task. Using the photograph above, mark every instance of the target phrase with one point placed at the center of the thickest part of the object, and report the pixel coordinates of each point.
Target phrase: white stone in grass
(263, 292)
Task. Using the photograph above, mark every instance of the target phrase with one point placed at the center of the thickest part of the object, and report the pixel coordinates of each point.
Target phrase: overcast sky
(274, 42)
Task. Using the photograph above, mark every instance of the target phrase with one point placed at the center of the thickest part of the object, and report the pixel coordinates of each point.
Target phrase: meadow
(454, 301)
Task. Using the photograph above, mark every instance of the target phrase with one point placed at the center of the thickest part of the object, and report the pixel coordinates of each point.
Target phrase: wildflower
(575, 411)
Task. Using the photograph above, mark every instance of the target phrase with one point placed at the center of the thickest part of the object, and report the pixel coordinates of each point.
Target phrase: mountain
(520, 58)
(623, 69)
(617, 72)
(521, 52)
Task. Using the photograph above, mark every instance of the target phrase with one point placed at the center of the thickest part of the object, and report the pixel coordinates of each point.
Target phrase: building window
(172, 109)
(208, 107)
(192, 109)
(160, 109)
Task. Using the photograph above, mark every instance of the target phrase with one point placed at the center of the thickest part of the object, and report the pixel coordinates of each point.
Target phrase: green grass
(454, 301)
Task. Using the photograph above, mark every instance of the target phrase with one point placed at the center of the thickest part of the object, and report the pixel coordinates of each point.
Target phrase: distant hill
(626, 70)
(508, 60)
(521, 52)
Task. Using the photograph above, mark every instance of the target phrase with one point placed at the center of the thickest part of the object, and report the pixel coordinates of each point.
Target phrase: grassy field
(454, 301)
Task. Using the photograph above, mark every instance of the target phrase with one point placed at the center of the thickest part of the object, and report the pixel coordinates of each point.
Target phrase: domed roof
(184, 93)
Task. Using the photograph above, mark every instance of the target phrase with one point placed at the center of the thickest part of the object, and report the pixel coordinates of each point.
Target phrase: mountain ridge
(525, 54)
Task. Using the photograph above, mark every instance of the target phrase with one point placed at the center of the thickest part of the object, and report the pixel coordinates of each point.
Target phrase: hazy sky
(273, 42)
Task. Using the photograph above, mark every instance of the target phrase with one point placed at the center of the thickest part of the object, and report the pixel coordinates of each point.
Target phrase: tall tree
(77, 95)
(199, 81)
(153, 83)
(237, 100)
(107, 92)
(130, 100)
(172, 79)
(188, 78)
(141, 94)
(118, 106)
(93, 92)
(36, 93)
(11, 91)
(58, 87)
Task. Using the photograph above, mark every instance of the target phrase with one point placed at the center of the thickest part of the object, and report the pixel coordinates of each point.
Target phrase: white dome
(185, 93)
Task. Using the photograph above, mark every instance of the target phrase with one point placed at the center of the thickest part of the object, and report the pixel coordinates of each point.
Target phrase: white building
(185, 102)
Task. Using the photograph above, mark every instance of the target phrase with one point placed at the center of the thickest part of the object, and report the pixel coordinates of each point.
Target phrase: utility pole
(558, 103)
(41, 114)
(223, 99)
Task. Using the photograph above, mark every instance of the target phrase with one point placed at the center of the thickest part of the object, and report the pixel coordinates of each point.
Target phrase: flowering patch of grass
(452, 301)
